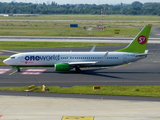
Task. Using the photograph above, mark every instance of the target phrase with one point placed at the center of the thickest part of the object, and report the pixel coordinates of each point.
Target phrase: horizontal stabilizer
(146, 51)
(143, 54)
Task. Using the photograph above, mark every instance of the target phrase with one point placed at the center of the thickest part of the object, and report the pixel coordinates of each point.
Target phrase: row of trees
(136, 8)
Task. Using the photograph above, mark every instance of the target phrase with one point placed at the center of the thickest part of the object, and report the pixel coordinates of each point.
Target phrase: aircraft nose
(6, 61)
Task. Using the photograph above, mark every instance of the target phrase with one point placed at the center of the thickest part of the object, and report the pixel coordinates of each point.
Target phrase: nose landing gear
(18, 69)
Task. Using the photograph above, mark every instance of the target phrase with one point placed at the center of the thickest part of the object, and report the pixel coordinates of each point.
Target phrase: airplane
(65, 61)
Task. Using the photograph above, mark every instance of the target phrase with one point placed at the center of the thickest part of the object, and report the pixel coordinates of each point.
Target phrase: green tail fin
(139, 43)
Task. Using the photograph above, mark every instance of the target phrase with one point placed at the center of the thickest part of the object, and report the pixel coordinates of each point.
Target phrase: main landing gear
(78, 70)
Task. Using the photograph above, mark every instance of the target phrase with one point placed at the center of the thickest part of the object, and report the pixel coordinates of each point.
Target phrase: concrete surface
(52, 108)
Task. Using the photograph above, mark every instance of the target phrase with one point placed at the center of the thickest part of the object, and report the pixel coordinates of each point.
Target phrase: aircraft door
(125, 58)
(21, 58)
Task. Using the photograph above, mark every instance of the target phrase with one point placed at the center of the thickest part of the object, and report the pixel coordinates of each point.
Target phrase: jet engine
(62, 67)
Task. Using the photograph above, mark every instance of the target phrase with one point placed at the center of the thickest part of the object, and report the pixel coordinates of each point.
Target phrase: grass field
(70, 32)
(145, 91)
(42, 28)
(45, 26)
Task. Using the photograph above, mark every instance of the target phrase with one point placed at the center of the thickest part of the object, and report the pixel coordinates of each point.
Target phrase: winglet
(93, 49)
(103, 58)
(139, 43)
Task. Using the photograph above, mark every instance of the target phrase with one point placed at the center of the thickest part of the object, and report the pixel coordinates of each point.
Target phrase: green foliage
(136, 8)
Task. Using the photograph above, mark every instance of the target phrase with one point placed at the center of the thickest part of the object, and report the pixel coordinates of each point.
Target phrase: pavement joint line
(5, 108)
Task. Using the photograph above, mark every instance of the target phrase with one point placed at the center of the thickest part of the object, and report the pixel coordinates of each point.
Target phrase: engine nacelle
(62, 67)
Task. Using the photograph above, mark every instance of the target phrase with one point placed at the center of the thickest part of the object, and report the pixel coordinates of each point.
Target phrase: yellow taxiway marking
(77, 118)
(13, 72)
(9, 51)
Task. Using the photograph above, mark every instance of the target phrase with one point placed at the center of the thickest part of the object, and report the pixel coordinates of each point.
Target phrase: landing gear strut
(18, 69)
(78, 70)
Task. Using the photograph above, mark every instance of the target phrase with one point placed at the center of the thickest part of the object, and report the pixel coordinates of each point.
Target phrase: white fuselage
(52, 58)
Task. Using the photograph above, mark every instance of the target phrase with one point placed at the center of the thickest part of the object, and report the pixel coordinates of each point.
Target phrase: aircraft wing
(81, 63)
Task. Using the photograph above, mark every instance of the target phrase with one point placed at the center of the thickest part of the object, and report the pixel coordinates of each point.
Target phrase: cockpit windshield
(13, 57)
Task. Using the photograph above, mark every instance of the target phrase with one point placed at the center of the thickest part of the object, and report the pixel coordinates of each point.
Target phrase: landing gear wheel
(78, 70)
(18, 69)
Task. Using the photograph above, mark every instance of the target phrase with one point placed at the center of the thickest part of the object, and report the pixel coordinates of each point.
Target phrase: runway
(75, 39)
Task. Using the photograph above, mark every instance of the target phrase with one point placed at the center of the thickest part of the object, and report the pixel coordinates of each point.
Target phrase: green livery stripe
(139, 43)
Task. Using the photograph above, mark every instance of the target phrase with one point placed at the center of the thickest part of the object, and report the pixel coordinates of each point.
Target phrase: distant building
(13, 15)
(26, 15)
(8, 15)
